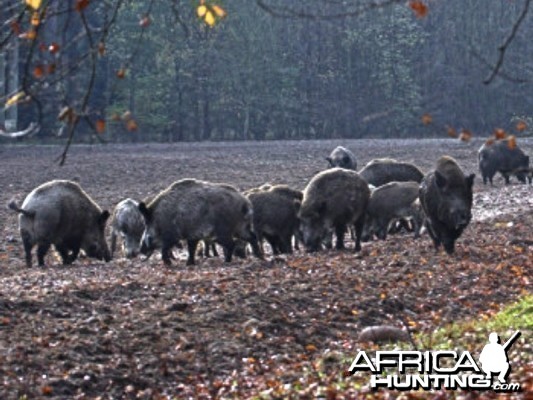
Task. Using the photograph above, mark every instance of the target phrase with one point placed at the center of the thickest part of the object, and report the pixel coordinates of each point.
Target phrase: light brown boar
(333, 200)
(60, 213)
(194, 210)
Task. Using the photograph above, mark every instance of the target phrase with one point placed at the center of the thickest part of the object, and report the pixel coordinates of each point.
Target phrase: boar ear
(146, 213)
(328, 159)
(297, 204)
(440, 180)
(102, 218)
(470, 180)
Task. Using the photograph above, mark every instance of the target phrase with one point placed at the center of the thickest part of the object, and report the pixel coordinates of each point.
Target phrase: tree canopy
(180, 71)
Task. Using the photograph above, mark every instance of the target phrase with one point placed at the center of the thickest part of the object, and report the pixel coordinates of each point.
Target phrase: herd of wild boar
(384, 196)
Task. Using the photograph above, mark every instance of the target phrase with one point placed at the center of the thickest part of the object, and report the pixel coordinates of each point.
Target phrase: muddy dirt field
(285, 326)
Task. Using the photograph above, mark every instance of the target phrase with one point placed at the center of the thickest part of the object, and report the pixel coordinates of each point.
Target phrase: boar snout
(131, 253)
(147, 245)
(461, 218)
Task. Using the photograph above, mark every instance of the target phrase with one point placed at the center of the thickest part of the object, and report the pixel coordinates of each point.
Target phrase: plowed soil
(285, 326)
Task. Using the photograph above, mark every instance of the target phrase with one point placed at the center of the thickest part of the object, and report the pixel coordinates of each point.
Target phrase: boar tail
(12, 205)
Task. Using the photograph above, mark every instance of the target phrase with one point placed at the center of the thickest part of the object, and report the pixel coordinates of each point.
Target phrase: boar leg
(328, 240)
(274, 243)
(63, 252)
(228, 244)
(296, 241)
(166, 254)
(340, 230)
(506, 176)
(258, 252)
(359, 225)
(42, 249)
(26, 240)
(113, 242)
(449, 244)
(252, 238)
(214, 249)
(74, 255)
(416, 227)
(206, 249)
(65, 256)
(382, 225)
(191, 248)
(240, 249)
(286, 243)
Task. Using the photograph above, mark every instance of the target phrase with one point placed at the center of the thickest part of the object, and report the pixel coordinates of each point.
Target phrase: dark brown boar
(446, 197)
(60, 213)
(276, 215)
(333, 200)
(195, 210)
(392, 202)
(500, 156)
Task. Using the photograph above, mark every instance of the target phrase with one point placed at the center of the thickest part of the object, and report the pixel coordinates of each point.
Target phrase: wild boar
(343, 158)
(380, 171)
(128, 223)
(60, 213)
(500, 156)
(446, 198)
(276, 215)
(392, 202)
(333, 199)
(194, 210)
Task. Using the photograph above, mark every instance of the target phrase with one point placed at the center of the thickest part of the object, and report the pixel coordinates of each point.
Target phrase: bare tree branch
(501, 73)
(503, 48)
(93, 53)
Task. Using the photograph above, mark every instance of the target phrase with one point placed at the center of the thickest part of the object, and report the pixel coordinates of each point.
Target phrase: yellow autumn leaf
(15, 99)
(35, 20)
(201, 11)
(310, 347)
(209, 18)
(219, 11)
(35, 4)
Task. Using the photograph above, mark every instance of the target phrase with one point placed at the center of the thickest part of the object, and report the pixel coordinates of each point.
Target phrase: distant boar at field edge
(61, 213)
(194, 210)
(446, 197)
(500, 156)
(341, 157)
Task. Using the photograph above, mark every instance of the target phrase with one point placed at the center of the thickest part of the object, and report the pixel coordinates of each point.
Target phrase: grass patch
(474, 333)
